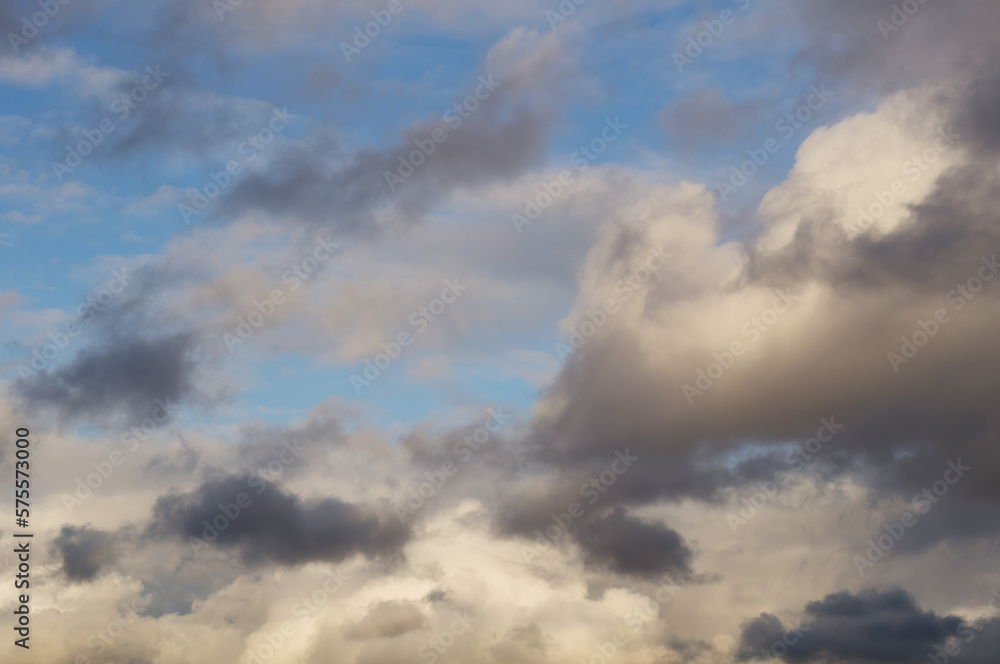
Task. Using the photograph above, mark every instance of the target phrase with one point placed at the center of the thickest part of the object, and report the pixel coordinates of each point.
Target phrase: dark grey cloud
(627, 545)
(871, 627)
(317, 181)
(84, 551)
(525, 644)
(276, 527)
(133, 378)
(132, 363)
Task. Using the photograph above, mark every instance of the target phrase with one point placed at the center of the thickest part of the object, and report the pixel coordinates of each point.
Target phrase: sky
(647, 331)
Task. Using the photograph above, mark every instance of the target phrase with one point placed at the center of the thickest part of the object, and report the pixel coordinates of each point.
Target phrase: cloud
(276, 527)
(865, 628)
(627, 545)
(128, 379)
(318, 182)
(85, 551)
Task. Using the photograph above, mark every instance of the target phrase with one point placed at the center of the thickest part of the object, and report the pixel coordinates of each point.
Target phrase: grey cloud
(85, 551)
(318, 182)
(132, 378)
(627, 545)
(277, 527)
(134, 363)
(900, 430)
(845, 43)
(872, 627)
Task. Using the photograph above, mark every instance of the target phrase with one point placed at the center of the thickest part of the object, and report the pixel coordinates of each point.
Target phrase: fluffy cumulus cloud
(470, 360)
